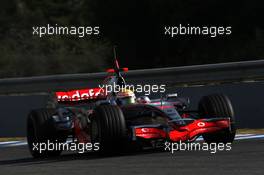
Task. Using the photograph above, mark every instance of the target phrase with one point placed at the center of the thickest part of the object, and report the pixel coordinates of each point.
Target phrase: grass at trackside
(239, 131)
(250, 131)
(6, 139)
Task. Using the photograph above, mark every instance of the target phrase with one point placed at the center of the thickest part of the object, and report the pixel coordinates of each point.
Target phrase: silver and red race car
(93, 116)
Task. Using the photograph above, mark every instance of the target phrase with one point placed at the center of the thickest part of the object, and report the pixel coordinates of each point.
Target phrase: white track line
(9, 142)
(22, 143)
(250, 137)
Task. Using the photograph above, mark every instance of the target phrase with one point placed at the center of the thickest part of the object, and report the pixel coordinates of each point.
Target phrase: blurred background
(136, 27)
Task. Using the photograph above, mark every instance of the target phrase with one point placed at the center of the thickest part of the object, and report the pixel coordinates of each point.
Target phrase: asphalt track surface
(246, 157)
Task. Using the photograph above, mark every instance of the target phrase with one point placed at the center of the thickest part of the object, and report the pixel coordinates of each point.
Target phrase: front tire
(218, 105)
(108, 128)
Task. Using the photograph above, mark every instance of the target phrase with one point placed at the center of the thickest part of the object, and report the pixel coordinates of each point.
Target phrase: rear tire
(218, 105)
(40, 129)
(108, 128)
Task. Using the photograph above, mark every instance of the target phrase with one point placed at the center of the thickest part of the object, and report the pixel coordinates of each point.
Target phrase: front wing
(185, 132)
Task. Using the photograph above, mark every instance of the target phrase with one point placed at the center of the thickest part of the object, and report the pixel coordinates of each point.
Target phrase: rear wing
(117, 70)
(94, 94)
(124, 69)
(81, 95)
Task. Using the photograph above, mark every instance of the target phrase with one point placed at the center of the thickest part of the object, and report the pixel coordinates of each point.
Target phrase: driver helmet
(125, 97)
(143, 99)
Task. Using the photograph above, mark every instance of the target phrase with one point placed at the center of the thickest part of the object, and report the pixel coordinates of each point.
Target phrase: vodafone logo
(145, 129)
(201, 124)
(77, 95)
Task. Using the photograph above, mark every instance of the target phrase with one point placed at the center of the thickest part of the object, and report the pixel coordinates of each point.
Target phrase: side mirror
(110, 70)
(125, 69)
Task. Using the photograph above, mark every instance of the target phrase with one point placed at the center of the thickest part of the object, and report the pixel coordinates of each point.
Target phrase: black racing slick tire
(41, 130)
(108, 128)
(218, 105)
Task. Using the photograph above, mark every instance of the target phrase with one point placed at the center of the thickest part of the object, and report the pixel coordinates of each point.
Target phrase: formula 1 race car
(93, 116)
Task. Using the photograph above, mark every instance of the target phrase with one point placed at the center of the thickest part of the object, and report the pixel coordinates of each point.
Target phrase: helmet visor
(127, 100)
